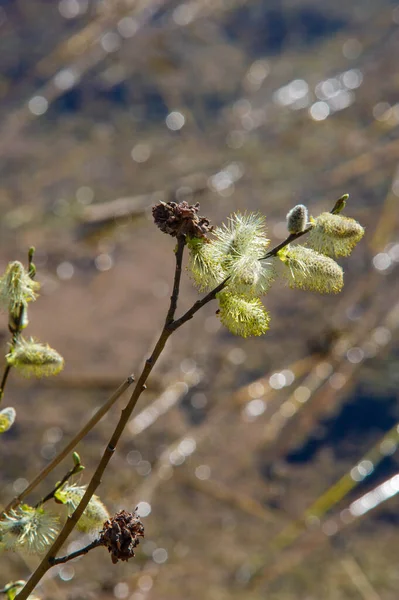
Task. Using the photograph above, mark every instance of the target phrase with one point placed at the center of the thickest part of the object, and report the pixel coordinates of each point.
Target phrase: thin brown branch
(72, 444)
(81, 552)
(15, 329)
(197, 306)
(4, 380)
(181, 242)
(75, 469)
(291, 238)
(95, 481)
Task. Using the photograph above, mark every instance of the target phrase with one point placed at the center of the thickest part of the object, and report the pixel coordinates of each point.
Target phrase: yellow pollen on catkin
(309, 270)
(242, 316)
(33, 358)
(334, 235)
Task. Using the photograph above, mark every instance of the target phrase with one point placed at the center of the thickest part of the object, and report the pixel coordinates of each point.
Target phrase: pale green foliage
(334, 235)
(17, 288)
(28, 529)
(94, 515)
(12, 588)
(30, 357)
(243, 316)
(309, 270)
(7, 418)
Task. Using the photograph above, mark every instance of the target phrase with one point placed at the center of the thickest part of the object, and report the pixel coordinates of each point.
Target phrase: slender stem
(292, 237)
(4, 380)
(50, 495)
(197, 305)
(31, 266)
(95, 481)
(81, 552)
(76, 439)
(14, 326)
(181, 242)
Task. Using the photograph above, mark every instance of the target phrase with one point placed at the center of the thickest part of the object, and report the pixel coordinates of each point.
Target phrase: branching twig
(81, 552)
(196, 306)
(72, 444)
(169, 327)
(95, 481)
(75, 469)
(15, 330)
(181, 242)
(4, 380)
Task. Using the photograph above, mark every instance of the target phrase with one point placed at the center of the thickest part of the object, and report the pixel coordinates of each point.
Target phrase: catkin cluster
(235, 257)
(27, 356)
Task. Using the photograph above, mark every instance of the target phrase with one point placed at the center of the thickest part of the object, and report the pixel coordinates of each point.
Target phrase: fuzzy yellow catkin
(242, 316)
(30, 357)
(17, 288)
(233, 251)
(309, 270)
(334, 235)
(203, 266)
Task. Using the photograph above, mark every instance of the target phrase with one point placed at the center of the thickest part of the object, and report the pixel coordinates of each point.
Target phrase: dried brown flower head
(180, 219)
(121, 535)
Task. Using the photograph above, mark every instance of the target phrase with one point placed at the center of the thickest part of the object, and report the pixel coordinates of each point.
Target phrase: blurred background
(262, 467)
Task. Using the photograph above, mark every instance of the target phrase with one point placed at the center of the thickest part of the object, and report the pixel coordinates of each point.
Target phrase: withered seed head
(121, 535)
(180, 219)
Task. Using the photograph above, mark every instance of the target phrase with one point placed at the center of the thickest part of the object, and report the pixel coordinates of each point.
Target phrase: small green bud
(32, 266)
(243, 316)
(76, 459)
(17, 288)
(32, 358)
(7, 418)
(79, 468)
(334, 235)
(297, 219)
(340, 204)
(309, 270)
